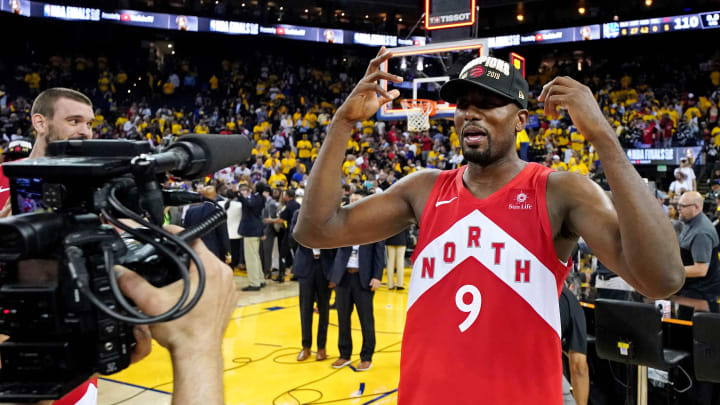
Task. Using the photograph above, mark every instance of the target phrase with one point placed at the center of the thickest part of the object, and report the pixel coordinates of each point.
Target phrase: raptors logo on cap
(477, 71)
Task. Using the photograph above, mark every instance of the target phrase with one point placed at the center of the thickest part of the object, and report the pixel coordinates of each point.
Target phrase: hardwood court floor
(260, 349)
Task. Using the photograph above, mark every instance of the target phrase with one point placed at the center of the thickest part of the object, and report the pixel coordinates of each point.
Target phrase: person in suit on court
(312, 268)
(355, 275)
(218, 240)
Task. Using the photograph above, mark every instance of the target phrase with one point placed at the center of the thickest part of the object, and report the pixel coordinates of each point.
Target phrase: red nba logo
(125, 17)
(477, 71)
(281, 31)
(538, 37)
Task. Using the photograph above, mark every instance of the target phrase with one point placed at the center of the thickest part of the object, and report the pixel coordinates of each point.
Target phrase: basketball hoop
(418, 112)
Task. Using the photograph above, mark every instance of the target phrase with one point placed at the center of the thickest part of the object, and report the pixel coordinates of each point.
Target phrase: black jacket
(217, 241)
(371, 263)
(251, 223)
(400, 239)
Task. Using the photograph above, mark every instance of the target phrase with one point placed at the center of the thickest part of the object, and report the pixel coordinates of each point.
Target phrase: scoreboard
(664, 24)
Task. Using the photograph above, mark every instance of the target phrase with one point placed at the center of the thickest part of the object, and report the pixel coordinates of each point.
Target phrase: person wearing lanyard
(312, 268)
(355, 275)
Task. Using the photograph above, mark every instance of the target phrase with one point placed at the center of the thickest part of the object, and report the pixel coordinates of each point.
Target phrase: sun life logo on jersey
(521, 201)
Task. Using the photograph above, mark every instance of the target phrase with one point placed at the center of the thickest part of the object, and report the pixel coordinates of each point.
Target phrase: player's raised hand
(367, 96)
(580, 103)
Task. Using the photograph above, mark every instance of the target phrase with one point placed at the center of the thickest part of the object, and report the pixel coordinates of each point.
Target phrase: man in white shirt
(678, 186)
(687, 169)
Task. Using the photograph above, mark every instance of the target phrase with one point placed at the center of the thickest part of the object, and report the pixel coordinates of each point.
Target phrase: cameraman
(57, 114)
(61, 114)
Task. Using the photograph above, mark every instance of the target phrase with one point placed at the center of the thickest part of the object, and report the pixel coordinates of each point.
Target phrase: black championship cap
(495, 75)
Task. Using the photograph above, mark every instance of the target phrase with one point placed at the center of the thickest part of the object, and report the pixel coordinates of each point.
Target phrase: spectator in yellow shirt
(576, 166)
(578, 141)
(312, 119)
(691, 113)
(176, 128)
(348, 164)
(273, 163)
(278, 180)
(562, 140)
(263, 144)
(314, 152)
(120, 122)
(367, 127)
(168, 88)
(296, 115)
(558, 165)
(353, 146)
(214, 82)
(287, 163)
(522, 144)
(201, 128)
(99, 118)
(304, 148)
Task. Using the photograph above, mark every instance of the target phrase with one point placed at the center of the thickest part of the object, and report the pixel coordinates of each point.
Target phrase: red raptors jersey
(483, 324)
(4, 189)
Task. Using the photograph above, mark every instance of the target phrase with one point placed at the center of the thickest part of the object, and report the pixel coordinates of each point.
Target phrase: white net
(417, 120)
(418, 114)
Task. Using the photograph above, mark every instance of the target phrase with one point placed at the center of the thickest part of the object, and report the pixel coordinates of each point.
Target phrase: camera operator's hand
(194, 340)
(143, 343)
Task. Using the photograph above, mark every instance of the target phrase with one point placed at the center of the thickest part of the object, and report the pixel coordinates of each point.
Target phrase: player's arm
(634, 238)
(322, 222)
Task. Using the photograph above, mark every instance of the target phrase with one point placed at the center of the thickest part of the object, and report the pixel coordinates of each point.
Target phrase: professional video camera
(59, 298)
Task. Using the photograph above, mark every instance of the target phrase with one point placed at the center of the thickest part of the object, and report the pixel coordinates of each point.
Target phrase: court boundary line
(139, 386)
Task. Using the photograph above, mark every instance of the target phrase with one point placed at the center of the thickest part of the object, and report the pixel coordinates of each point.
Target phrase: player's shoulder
(568, 182)
(572, 190)
(419, 181)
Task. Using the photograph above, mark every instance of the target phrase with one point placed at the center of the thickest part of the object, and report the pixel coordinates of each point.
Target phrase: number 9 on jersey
(472, 308)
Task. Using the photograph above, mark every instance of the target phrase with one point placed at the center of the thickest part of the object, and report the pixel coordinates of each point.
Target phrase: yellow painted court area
(260, 349)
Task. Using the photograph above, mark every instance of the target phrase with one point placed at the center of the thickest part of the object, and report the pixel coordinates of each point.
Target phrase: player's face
(486, 123)
(72, 120)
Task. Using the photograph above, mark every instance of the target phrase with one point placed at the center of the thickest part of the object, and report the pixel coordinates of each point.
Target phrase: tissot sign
(449, 13)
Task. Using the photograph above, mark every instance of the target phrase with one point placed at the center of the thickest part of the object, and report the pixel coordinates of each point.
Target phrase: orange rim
(422, 103)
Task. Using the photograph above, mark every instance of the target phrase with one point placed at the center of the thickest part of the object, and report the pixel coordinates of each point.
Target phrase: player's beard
(477, 156)
(52, 135)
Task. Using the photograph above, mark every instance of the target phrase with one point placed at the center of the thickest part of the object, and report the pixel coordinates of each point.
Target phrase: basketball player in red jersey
(495, 236)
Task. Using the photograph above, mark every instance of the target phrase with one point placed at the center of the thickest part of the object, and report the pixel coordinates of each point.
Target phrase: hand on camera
(203, 327)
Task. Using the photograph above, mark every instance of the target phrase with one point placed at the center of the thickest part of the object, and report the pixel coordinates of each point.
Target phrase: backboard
(424, 70)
